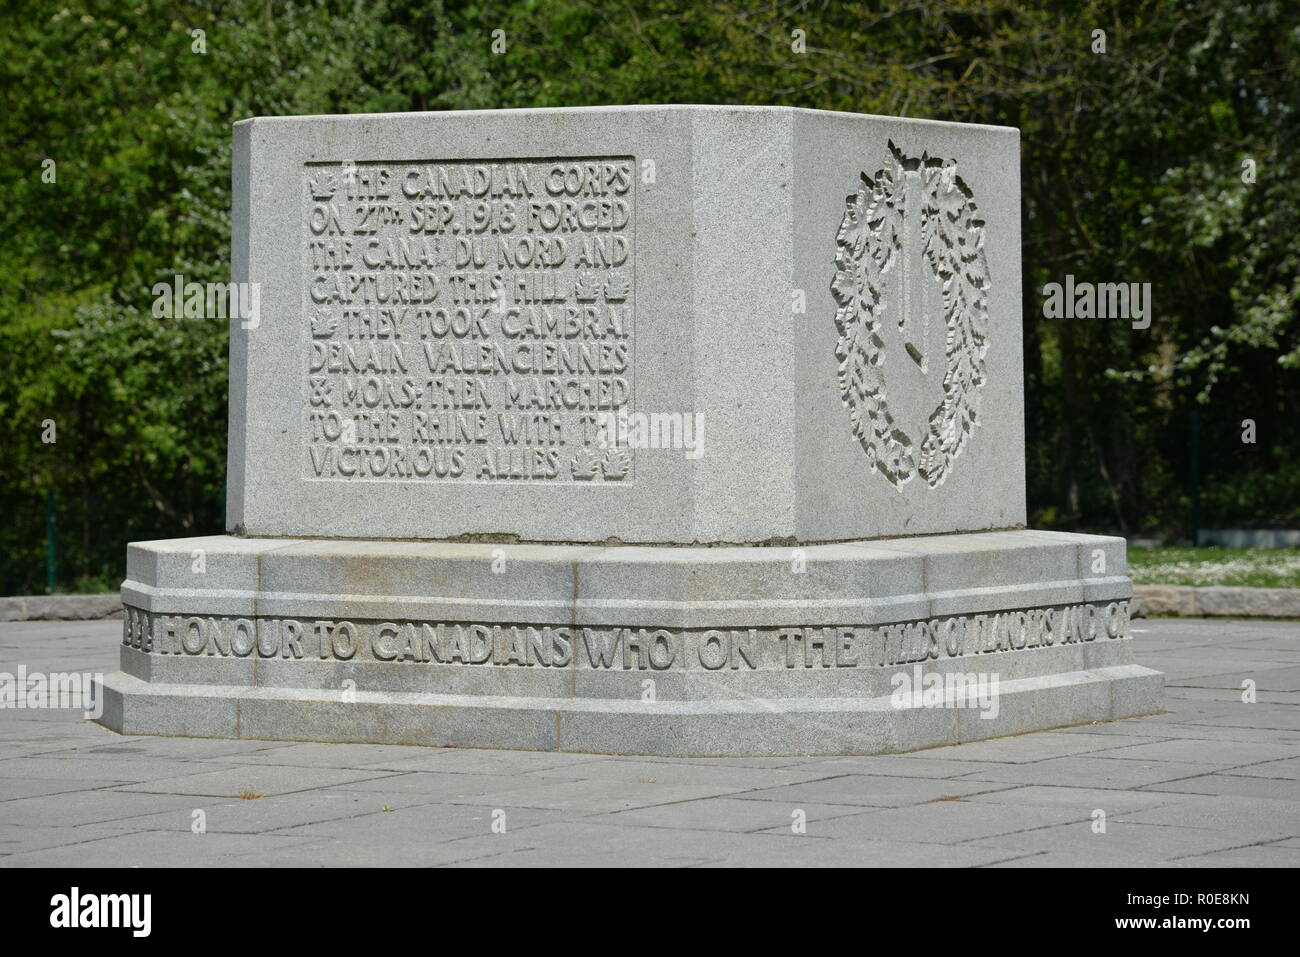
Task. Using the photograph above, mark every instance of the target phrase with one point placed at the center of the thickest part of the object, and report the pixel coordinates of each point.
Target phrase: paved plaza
(1212, 782)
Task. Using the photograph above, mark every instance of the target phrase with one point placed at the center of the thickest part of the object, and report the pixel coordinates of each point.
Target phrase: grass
(1253, 567)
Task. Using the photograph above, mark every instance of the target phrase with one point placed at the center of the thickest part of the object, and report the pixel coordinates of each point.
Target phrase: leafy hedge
(1132, 166)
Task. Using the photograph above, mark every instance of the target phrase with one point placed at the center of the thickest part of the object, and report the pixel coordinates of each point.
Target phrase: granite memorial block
(661, 430)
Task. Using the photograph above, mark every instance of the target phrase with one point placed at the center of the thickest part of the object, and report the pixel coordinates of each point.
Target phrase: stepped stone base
(851, 648)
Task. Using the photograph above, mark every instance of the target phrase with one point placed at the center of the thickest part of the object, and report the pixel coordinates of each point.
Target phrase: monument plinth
(662, 430)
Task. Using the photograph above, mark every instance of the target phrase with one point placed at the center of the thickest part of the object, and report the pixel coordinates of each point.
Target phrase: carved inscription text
(467, 320)
(624, 649)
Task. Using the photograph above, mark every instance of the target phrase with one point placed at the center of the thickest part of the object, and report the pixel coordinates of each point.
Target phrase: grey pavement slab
(425, 823)
(731, 814)
(1123, 844)
(272, 813)
(1262, 819)
(21, 838)
(1023, 749)
(160, 849)
(253, 779)
(1210, 783)
(1168, 726)
(950, 822)
(1234, 784)
(871, 790)
(660, 773)
(1243, 756)
(1075, 798)
(916, 764)
(1252, 855)
(1286, 769)
(1089, 771)
(581, 797)
(15, 788)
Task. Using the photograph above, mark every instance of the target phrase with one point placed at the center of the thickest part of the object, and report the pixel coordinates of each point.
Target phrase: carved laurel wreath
(869, 240)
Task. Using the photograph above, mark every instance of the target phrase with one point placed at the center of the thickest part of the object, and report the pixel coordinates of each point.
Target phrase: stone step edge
(1185, 601)
(1214, 601)
(60, 607)
(719, 727)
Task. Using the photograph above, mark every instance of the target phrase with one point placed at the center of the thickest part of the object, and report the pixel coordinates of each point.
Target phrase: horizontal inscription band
(624, 648)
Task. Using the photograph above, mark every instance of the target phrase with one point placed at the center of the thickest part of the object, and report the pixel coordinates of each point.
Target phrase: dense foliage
(1132, 171)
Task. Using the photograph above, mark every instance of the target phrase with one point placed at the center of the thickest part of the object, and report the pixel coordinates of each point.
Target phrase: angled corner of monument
(526, 398)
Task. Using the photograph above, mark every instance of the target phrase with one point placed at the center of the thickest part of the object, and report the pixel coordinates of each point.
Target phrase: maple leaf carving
(587, 288)
(323, 185)
(617, 463)
(323, 323)
(617, 288)
(585, 464)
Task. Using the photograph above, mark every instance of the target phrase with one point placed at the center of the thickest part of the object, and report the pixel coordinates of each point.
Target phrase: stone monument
(670, 430)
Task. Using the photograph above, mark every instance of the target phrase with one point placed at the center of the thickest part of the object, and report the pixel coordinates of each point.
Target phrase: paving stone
(1288, 768)
(125, 769)
(1260, 818)
(1172, 729)
(251, 779)
(1090, 771)
(1076, 858)
(1232, 785)
(1078, 798)
(273, 813)
(1225, 754)
(737, 778)
(918, 764)
(1025, 748)
(728, 814)
(594, 796)
(424, 823)
(949, 822)
(1123, 844)
(75, 808)
(1254, 855)
(1211, 785)
(842, 853)
(605, 845)
(24, 838)
(870, 790)
(445, 786)
(476, 761)
(158, 849)
(15, 788)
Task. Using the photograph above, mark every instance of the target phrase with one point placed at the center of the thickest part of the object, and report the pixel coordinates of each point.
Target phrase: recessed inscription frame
(469, 320)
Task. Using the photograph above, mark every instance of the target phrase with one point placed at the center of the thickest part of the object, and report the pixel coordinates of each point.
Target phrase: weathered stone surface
(657, 430)
(714, 651)
(705, 255)
(60, 607)
(1169, 599)
(1220, 601)
(1248, 602)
